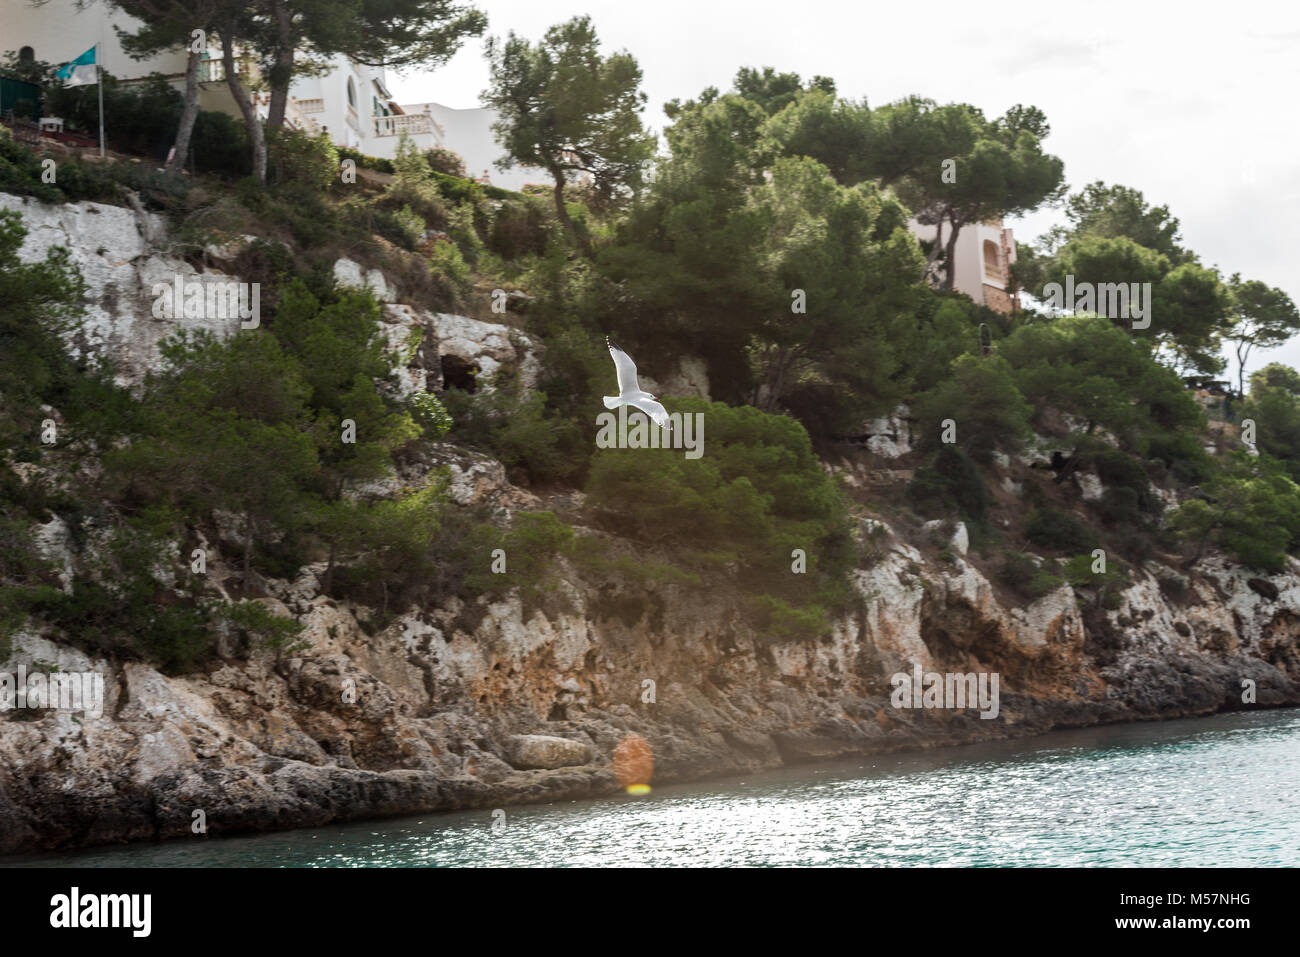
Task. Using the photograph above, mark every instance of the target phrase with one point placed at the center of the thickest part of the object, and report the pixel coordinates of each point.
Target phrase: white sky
(1193, 103)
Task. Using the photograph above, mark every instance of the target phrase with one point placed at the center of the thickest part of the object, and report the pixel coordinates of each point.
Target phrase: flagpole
(99, 71)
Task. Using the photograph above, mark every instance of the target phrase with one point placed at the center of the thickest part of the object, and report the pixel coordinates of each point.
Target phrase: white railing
(295, 116)
(311, 106)
(409, 123)
(213, 70)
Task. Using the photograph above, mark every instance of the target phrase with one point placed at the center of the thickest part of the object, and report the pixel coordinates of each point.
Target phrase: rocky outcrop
(494, 703)
(605, 680)
(123, 256)
(533, 751)
(116, 251)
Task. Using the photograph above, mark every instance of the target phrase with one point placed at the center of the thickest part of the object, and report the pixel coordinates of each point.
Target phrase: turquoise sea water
(1213, 791)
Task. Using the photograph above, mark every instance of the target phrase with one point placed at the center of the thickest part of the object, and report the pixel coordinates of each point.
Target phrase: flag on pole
(81, 71)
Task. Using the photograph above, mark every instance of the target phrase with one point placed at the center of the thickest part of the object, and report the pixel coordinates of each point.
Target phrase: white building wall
(58, 31)
(469, 134)
(970, 276)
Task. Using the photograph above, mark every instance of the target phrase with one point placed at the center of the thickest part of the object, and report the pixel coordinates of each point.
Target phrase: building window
(992, 261)
(352, 94)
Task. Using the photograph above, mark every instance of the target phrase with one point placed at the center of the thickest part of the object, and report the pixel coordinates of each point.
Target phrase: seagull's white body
(630, 391)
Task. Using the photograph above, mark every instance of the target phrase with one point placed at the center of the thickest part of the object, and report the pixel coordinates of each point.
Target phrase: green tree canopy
(1087, 367)
(1261, 317)
(569, 110)
(1252, 511)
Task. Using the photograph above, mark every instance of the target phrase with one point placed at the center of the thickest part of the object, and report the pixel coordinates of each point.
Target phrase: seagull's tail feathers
(612, 401)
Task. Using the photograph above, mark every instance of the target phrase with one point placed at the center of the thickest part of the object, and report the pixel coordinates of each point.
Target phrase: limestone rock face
(486, 346)
(354, 275)
(491, 702)
(532, 751)
(108, 246)
(889, 437)
(494, 702)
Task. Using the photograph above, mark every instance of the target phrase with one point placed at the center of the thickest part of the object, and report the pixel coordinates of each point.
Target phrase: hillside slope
(439, 708)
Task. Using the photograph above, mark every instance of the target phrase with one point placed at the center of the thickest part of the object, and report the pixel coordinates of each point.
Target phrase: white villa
(984, 254)
(351, 101)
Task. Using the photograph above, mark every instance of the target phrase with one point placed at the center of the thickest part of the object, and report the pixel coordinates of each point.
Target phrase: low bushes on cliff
(1027, 577)
(516, 427)
(1058, 530)
(421, 549)
(759, 493)
(1251, 509)
(950, 486)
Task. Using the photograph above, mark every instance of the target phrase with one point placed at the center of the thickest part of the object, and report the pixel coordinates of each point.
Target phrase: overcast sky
(1193, 103)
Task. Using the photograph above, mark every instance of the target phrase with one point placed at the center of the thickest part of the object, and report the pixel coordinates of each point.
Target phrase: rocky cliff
(494, 703)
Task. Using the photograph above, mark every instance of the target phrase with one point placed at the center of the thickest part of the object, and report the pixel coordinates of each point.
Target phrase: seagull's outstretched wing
(626, 369)
(654, 409)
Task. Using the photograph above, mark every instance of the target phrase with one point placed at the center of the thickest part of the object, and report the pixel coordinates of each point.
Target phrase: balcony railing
(213, 70)
(409, 123)
(296, 116)
(312, 106)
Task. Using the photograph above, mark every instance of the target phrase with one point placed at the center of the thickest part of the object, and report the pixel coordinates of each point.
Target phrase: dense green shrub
(1026, 577)
(519, 228)
(259, 624)
(419, 548)
(296, 157)
(513, 425)
(1058, 530)
(401, 226)
(219, 145)
(20, 172)
(141, 116)
(1120, 471)
(376, 163)
(1251, 510)
(758, 491)
(986, 409)
(445, 161)
(777, 619)
(951, 485)
(463, 232)
(1183, 454)
(451, 274)
(130, 604)
(1119, 506)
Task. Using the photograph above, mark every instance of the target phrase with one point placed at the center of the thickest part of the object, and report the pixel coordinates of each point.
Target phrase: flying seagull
(629, 390)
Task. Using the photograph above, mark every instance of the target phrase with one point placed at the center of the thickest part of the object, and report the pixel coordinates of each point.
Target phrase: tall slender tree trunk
(562, 212)
(282, 68)
(255, 133)
(189, 113)
(937, 248)
(950, 252)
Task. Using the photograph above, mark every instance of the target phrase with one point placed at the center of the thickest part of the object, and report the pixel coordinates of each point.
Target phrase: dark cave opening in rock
(458, 373)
